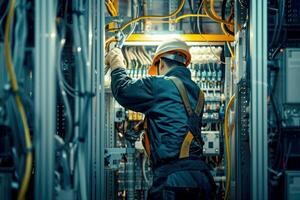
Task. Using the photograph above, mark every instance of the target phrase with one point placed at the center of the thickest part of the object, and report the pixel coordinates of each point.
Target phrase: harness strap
(183, 94)
(185, 146)
(200, 103)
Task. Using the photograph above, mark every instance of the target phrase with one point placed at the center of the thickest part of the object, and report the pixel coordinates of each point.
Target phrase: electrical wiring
(127, 60)
(213, 11)
(192, 12)
(227, 112)
(176, 20)
(144, 168)
(133, 60)
(211, 16)
(139, 61)
(20, 106)
(281, 20)
(200, 32)
(69, 130)
(230, 50)
(226, 31)
(145, 61)
(135, 24)
(274, 32)
(2, 18)
(154, 16)
(68, 88)
(189, 15)
(113, 5)
(278, 24)
(63, 162)
(232, 56)
(224, 27)
(111, 39)
(145, 11)
(146, 55)
(154, 21)
(129, 57)
(142, 52)
(194, 24)
(20, 35)
(78, 57)
(111, 8)
(198, 18)
(81, 58)
(16, 130)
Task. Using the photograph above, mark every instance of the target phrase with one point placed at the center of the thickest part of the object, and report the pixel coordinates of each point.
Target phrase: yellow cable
(189, 15)
(112, 7)
(232, 56)
(223, 27)
(108, 9)
(230, 103)
(213, 11)
(111, 39)
(230, 50)
(154, 16)
(225, 32)
(20, 106)
(211, 16)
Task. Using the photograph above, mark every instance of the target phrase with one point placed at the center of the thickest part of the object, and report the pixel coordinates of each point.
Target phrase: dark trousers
(186, 180)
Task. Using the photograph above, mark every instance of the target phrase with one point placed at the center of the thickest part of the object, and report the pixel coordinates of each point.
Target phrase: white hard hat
(174, 49)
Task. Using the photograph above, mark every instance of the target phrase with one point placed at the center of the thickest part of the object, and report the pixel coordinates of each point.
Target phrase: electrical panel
(125, 159)
(291, 71)
(292, 16)
(211, 141)
(208, 73)
(287, 87)
(292, 185)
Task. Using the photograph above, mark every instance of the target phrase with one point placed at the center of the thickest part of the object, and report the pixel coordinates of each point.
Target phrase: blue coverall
(158, 98)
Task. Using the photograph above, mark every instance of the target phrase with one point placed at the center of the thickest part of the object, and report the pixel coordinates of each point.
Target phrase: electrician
(173, 108)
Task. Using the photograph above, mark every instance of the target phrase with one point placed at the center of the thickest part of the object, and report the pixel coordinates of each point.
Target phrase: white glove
(115, 59)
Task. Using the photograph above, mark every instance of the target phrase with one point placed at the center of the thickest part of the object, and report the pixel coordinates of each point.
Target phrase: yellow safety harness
(193, 122)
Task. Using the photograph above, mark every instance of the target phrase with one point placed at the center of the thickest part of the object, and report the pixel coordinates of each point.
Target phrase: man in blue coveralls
(173, 106)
